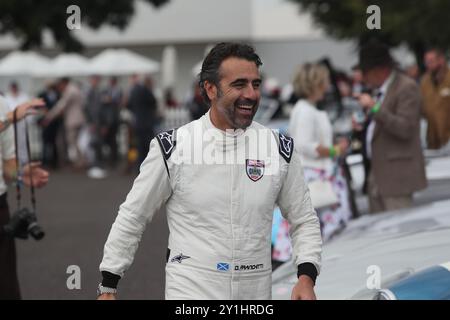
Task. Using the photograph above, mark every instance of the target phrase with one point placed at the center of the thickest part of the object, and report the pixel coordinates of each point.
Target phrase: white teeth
(245, 107)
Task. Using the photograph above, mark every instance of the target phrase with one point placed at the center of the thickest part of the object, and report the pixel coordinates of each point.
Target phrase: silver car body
(374, 251)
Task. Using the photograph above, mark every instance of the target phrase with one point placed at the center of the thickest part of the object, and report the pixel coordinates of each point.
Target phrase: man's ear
(211, 90)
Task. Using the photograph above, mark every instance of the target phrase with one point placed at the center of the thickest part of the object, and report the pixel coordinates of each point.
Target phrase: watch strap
(102, 290)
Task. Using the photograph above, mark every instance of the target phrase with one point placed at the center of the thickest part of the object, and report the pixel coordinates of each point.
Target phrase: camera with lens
(22, 223)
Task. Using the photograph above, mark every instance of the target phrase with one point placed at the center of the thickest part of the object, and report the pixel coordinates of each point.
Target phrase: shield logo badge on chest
(254, 169)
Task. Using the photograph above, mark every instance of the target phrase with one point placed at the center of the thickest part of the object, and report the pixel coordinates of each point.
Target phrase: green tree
(27, 19)
(416, 23)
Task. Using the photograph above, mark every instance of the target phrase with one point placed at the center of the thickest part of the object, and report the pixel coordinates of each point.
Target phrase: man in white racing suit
(219, 178)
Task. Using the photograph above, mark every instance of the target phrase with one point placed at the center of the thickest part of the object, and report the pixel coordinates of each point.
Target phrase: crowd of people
(388, 105)
(81, 125)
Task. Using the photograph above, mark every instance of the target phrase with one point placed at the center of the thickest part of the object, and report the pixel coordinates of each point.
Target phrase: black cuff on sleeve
(110, 280)
(308, 269)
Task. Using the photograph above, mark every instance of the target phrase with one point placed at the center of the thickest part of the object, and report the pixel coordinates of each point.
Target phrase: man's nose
(251, 92)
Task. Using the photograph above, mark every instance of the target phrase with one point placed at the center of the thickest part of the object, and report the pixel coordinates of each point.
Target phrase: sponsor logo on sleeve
(179, 258)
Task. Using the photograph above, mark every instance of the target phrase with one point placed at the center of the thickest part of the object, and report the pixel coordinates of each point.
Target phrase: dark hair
(221, 52)
(64, 80)
(375, 54)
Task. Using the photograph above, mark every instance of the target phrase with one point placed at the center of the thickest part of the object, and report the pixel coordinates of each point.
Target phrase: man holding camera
(31, 174)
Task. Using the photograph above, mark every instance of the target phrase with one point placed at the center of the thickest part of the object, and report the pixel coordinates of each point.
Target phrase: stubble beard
(230, 114)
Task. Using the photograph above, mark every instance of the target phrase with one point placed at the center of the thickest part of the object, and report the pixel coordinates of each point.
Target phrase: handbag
(322, 193)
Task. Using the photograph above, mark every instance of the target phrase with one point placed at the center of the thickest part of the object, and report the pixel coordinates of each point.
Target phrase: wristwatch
(101, 290)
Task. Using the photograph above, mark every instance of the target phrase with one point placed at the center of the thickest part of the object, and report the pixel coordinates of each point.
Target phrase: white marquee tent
(121, 62)
(169, 67)
(24, 63)
(108, 62)
(69, 64)
(198, 66)
(30, 69)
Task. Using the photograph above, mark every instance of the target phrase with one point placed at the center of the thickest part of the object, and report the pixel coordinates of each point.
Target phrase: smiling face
(235, 100)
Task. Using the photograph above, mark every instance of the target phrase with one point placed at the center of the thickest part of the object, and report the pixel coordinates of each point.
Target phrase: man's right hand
(34, 174)
(107, 296)
(304, 289)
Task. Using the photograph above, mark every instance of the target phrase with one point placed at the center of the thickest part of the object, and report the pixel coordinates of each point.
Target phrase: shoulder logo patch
(167, 142)
(286, 147)
(179, 258)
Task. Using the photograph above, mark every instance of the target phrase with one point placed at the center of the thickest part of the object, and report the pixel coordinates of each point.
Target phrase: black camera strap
(18, 176)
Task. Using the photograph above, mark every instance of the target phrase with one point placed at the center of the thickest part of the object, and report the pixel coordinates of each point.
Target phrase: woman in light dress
(313, 135)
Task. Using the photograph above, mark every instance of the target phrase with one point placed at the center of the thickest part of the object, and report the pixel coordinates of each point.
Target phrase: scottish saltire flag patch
(221, 266)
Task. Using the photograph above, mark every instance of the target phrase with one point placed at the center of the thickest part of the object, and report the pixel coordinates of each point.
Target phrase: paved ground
(76, 213)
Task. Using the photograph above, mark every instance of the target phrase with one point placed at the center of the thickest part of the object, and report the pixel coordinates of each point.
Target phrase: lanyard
(19, 176)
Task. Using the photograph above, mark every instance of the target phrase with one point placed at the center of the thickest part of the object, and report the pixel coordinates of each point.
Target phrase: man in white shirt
(9, 286)
(14, 98)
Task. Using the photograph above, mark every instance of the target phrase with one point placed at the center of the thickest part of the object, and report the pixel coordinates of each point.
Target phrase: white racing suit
(220, 196)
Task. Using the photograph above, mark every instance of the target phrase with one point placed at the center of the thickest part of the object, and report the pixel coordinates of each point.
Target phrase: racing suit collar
(229, 133)
(224, 140)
